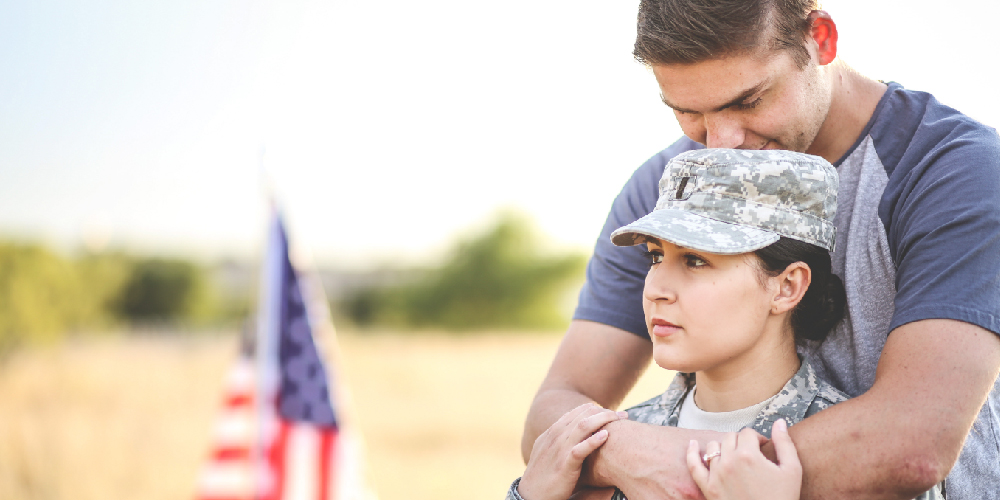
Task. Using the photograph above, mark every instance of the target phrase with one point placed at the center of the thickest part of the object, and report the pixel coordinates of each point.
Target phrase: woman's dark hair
(824, 302)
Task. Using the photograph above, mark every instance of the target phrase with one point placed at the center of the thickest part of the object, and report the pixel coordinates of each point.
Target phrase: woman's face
(705, 310)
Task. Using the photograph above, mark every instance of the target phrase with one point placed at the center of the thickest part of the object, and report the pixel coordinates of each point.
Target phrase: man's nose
(723, 131)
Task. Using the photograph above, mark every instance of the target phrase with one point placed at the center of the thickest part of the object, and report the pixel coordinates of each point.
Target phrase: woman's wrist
(513, 493)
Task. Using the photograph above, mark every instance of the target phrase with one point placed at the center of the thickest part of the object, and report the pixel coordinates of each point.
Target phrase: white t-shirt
(692, 417)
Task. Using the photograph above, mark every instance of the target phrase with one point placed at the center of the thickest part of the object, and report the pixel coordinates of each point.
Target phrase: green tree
(102, 275)
(161, 290)
(500, 279)
(41, 295)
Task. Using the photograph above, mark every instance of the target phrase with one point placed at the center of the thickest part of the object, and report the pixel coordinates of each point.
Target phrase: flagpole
(268, 319)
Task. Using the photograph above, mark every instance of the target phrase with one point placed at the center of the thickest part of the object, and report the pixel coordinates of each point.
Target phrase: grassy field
(130, 417)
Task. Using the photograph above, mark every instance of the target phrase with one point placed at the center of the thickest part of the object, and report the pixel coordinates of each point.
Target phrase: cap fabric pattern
(730, 201)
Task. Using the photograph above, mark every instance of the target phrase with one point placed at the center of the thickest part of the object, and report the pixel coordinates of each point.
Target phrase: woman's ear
(792, 285)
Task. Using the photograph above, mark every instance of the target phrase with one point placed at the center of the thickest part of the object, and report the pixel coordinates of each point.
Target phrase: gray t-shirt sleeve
(612, 293)
(941, 210)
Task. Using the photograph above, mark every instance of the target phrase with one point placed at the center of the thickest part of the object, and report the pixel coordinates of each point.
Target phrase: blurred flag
(228, 474)
(280, 435)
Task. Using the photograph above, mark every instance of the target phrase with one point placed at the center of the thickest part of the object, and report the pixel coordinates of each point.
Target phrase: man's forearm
(851, 451)
(646, 461)
(904, 435)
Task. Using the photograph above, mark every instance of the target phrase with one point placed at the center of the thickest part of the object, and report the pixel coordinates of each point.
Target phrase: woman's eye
(695, 261)
(654, 257)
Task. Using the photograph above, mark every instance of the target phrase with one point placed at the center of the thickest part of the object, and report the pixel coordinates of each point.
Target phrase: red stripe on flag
(327, 461)
(238, 400)
(231, 453)
(276, 462)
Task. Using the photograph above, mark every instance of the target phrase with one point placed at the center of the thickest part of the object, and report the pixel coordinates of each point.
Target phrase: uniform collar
(791, 403)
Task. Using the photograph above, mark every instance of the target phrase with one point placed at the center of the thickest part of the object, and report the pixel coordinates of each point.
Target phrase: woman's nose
(659, 285)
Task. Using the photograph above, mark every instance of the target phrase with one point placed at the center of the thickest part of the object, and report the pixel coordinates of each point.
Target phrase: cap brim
(697, 232)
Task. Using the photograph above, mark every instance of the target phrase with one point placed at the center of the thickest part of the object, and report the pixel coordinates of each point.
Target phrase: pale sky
(389, 127)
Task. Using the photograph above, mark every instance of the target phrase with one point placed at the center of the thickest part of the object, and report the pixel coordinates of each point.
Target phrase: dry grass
(130, 418)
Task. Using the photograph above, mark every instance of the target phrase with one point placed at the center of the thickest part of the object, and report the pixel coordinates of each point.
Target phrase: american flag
(280, 434)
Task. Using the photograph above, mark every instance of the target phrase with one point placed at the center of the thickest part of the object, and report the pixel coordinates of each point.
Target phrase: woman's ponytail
(824, 302)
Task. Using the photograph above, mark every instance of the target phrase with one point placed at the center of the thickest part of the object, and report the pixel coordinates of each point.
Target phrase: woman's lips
(663, 328)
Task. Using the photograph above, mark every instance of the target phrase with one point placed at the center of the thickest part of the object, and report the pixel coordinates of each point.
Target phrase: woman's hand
(739, 470)
(557, 457)
(593, 494)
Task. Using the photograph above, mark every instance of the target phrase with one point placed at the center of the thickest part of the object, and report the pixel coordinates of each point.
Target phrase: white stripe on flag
(225, 480)
(234, 428)
(302, 463)
(240, 378)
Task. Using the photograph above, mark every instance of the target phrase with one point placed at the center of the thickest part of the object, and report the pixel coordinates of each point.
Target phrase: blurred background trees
(501, 278)
(159, 290)
(45, 296)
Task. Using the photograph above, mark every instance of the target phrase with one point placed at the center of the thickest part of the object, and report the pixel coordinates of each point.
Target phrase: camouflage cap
(730, 201)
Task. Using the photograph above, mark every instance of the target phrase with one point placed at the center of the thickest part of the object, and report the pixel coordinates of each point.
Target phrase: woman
(739, 275)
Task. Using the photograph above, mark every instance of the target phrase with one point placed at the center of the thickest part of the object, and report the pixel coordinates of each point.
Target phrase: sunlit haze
(388, 128)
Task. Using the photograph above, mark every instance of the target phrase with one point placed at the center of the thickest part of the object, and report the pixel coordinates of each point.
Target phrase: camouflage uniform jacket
(804, 395)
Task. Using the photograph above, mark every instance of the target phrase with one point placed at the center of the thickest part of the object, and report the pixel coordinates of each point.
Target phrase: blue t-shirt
(918, 219)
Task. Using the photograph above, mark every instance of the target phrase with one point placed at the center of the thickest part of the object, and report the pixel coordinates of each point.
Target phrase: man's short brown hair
(689, 31)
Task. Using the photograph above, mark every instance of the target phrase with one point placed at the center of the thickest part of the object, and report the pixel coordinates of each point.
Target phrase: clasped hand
(557, 457)
(736, 468)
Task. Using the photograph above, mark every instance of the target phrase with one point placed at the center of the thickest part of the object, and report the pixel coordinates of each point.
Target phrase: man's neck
(852, 104)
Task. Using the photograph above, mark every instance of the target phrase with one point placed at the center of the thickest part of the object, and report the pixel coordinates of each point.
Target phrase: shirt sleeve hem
(512, 493)
(959, 313)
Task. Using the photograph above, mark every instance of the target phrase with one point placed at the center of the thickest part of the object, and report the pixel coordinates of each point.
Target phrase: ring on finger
(709, 456)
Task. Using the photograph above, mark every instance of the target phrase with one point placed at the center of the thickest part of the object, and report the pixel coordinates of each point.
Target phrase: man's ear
(792, 285)
(824, 32)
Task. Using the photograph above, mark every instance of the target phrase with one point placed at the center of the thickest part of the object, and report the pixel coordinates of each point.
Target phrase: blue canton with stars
(303, 394)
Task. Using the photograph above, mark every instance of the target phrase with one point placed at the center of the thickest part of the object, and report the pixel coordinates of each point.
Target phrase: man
(918, 248)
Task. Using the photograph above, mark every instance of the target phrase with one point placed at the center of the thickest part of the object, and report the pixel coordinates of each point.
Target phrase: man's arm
(902, 436)
(895, 441)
